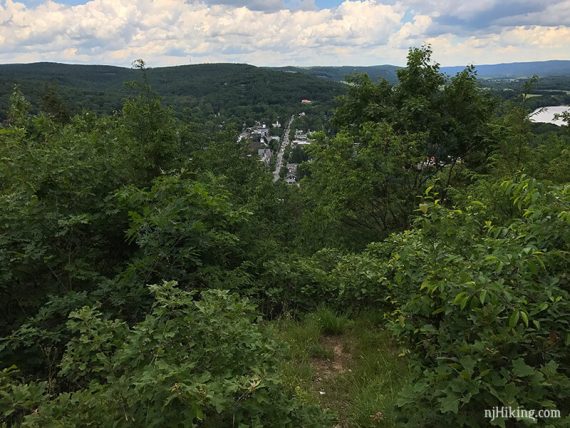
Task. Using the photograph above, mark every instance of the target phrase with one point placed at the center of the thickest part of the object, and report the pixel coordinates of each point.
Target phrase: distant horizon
(150, 66)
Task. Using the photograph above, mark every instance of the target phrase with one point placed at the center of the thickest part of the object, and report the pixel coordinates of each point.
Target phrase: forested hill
(236, 91)
(233, 90)
(389, 72)
(375, 72)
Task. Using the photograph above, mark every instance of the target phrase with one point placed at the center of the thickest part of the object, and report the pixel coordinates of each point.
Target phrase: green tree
(19, 110)
(393, 140)
(53, 105)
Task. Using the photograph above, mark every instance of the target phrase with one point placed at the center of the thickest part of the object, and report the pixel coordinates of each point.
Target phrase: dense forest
(232, 93)
(153, 275)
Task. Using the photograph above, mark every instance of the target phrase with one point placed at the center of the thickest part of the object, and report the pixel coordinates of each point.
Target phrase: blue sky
(282, 32)
(327, 3)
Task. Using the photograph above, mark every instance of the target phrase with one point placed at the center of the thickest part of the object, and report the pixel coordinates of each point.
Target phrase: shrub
(195, 360)
(485, 307)
(479, 294)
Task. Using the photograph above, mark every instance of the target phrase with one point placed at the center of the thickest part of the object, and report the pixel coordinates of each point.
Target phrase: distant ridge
(518, 69)
(375, 72)
(389, 72)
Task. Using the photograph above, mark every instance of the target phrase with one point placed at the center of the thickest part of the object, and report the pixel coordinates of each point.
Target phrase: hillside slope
(375, 72)
(231, 90)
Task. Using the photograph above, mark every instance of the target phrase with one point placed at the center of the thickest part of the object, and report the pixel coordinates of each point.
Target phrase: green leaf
(514, 319)
(461, 299)
(521, 369)
(469, 363)
(524, 318)
(449, 403)
(482, 296)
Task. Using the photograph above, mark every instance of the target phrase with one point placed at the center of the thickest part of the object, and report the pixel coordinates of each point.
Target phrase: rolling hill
(339, 74)
(518, 69)
(230, 90)
(388, 72)
(237, 91)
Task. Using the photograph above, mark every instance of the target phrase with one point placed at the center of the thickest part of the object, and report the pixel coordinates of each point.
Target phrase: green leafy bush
(480, 295)
(489, 314)
(195, 360)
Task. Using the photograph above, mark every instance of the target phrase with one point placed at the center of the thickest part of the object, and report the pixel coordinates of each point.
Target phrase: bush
(195, 360)
(484, 306)
(479, 294)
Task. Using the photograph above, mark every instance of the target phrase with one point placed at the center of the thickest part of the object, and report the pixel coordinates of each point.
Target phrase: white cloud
(277, 32)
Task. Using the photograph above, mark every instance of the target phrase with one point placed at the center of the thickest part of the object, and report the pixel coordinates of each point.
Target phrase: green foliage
(19, 109)
(218, 93)
(489, 319)
(363, 183)
(479, 295)
(458, 212)
(183, 229)
(363, 189)
(329, 322)
(53, 105)
(193, 361)
(18, 398)
(67, 238)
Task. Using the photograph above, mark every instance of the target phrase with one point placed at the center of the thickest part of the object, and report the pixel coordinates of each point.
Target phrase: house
(265, 156)
(301, 138)
(290, 180)
(306, 101)
(257, 139)
(291, 177)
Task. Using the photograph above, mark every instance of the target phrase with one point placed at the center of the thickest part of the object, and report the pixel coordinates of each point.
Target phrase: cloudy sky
(282, 32)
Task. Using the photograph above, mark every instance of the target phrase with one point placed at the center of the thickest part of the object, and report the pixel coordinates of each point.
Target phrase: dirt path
(325, 368)
(329, 371)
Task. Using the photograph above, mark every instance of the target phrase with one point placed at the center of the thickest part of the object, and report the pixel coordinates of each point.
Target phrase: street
(284, 144)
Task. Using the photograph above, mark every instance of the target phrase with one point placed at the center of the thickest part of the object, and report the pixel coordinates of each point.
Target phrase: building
(257, 139)
(301, 138)
(291, 177)
(265, 156)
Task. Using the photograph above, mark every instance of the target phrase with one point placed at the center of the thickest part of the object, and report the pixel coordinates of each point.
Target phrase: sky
(282, 32)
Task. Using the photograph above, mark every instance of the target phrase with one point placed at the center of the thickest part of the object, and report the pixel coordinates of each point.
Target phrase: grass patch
(350, 366)
(330, 322)
(316, 350)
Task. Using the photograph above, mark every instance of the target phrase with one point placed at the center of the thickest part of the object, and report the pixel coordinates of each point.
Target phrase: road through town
(284, 144)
